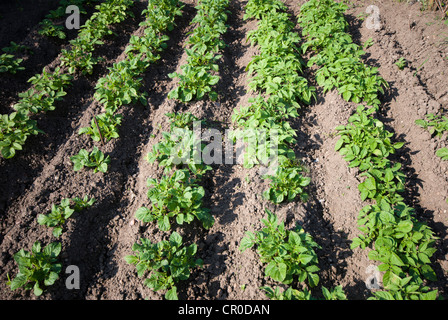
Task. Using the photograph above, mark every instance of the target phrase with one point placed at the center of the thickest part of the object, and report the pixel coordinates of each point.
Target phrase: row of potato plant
(289, 254)
(50, 86)
(198, 75)
(175, 198)
(338, 58)
(40, 267)
(401, 243)
(276, 73)
(122, 84)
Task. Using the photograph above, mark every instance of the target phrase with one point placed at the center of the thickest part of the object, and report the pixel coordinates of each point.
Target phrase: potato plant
(166, 262)
(289, 254)
(38, 269)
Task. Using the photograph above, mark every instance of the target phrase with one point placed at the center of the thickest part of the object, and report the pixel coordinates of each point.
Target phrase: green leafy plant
(8, 63)
(442, 153)
(288, 253)
(401, 63)
(57, 217)
(420, 66)
(15, 48)
(364, 142)
(81, 204)
(181, 120)
(50, 29)
(176, 196)
(167, 262)
(121, 85)
(48, 87)
(179, 148)
(104, 127)
(435, 124)
(276, 75)
(293, 294)
(287, 184)
(80, 56)
(288, 294)
(62, 212)
(337, 293)
(37, 268)
(400, 242)
(123, 82)
(95, 159)
(14, 130)
(338, 58)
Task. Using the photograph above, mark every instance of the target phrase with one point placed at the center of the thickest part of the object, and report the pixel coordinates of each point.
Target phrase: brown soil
(97, 240)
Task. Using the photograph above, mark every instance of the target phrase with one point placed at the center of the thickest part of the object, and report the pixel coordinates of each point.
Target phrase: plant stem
(99, 131)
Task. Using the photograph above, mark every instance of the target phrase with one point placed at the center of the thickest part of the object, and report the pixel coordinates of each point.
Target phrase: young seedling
(167, 263)
(418, 69)
(60, 213)
(369, 42)
(103, 126)
(435, 124)
(287, 253)
(8, 63)
(401, 63)
(286, 185)
(94, 159)
(57, 217)
(84, 203)
(442, 153)
(176, 196)
(37, 268)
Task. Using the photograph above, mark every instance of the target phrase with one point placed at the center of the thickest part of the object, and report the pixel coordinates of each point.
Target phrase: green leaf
(171, 294)
(313, 279)
(19, 281)
(404, 226)
(57, 232)
(442, 153)
(37, 290)
(164, 224)
(131, 259)
(339, 144)
(176, 239)
(395, 259)
(247, 242)
(276, 271)
(143, 214)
